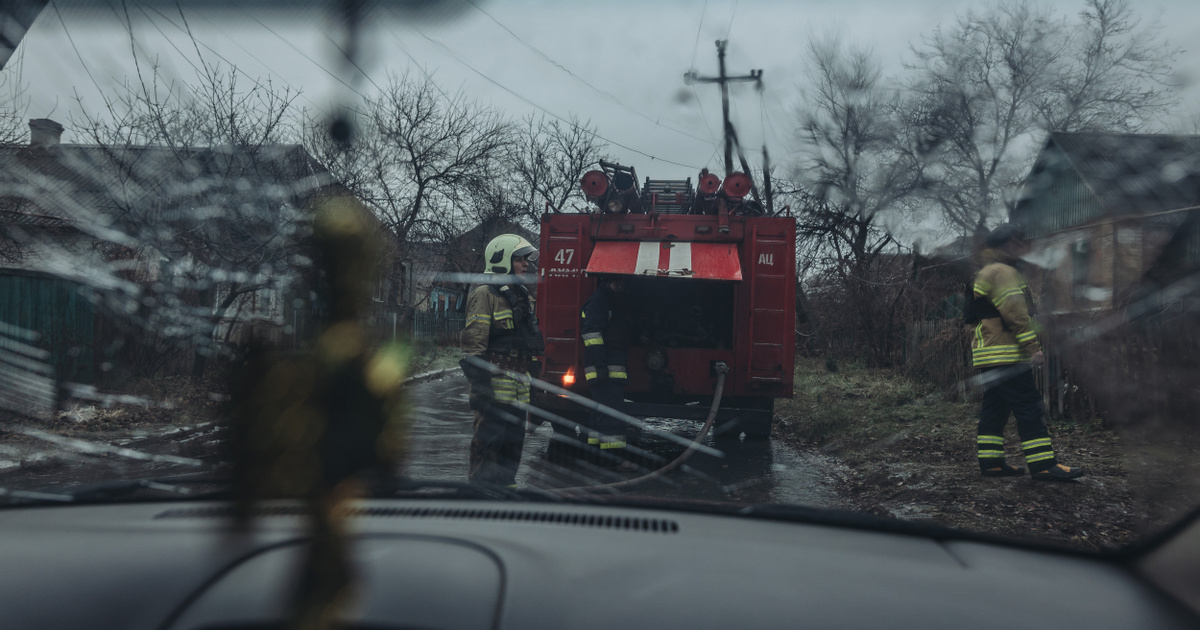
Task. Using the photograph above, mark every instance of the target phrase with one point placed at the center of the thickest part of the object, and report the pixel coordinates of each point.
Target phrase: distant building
(462, 257)
(440, 275)
(164, 240)
(1109, 213)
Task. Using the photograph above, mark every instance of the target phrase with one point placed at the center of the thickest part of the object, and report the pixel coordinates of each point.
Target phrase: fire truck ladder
(668, 196)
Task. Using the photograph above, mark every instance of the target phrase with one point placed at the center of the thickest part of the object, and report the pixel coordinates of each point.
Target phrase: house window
(1081, 269)
(380, 288)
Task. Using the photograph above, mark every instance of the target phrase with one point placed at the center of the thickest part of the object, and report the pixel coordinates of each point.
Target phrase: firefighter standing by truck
(607, 330)
(1004, 343)
(501, 330)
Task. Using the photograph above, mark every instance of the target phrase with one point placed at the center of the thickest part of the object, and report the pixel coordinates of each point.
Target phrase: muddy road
(747, 471)
(750, 471)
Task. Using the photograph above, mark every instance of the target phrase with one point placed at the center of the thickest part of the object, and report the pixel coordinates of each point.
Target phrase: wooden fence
(939, 351)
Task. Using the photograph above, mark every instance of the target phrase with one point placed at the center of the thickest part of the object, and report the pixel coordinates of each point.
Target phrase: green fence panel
(62, 315)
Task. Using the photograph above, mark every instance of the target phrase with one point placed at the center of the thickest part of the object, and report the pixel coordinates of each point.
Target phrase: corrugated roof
(1135, 173)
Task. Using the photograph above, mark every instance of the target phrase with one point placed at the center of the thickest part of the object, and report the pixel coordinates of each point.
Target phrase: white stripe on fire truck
(681, 257)
(647, 260)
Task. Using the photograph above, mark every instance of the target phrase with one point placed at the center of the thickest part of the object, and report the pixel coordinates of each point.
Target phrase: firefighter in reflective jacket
(606, 329)
(501, 332)
(1003, 347)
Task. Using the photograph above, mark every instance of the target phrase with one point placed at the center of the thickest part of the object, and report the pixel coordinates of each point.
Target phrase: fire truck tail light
(594, 183)
(569, 377)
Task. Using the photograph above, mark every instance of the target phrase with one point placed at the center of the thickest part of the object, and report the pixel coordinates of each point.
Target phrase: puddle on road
(752, 471)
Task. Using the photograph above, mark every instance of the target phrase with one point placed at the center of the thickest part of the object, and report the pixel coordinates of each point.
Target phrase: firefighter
(501, 329)
(1003, 347)
(607, 328)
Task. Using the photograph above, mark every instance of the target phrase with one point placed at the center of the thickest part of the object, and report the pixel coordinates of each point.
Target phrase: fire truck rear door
(772, 308)
(561, 290)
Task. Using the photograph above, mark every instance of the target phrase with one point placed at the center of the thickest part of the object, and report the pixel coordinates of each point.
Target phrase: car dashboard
(474, 564)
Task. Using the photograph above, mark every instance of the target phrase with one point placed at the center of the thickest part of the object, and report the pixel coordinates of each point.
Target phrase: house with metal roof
(170, 247)
(1109, 213)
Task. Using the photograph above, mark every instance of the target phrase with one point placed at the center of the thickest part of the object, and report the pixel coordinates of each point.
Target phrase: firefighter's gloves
(481, 383)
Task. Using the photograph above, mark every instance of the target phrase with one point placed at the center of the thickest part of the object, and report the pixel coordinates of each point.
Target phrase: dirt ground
(910, 454)
(165, 415)
(898, 448)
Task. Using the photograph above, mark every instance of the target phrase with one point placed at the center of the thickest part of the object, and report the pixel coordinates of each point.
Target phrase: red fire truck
(711, 277)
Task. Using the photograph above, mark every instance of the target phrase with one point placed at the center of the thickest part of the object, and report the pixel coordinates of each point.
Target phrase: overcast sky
(616, 63)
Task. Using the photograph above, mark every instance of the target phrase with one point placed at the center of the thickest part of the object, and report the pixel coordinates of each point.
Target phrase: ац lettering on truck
(711, 277)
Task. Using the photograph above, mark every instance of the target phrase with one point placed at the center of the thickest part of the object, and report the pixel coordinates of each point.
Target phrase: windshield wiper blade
(116, 489)
(444, 489)
(34, 496)
(846, 518)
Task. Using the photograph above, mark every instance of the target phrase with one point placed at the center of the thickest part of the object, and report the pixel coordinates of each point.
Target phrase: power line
(771, 123)
(699, 103)
(421, 68)
(696, 44)
(539, 107)
(704, 117)
(310, 59)
(134, 44)
(170, 41)
(352, 61)
(604, 93)
(235, 67)
(733, 15)
(712, 156)
(76, 48)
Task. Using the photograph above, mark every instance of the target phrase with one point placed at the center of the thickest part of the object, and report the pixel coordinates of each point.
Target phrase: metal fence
(440, 327)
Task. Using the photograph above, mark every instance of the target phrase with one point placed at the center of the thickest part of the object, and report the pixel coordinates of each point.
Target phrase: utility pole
(691, 77)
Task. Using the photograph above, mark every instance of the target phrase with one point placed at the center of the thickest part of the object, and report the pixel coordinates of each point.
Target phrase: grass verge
(911, 455)
(430, 357)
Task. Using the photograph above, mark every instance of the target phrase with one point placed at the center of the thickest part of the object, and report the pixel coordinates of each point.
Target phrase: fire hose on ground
(692, 445)
(721, 370)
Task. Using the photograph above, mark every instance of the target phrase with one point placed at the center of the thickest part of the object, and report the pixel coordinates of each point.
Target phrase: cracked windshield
(932, 261)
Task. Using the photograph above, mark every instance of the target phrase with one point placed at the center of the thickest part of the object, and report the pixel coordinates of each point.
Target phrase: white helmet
(498, 255)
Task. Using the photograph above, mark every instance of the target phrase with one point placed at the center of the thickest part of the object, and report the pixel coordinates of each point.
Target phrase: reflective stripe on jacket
(488, 314)
(605, 336)
(1012, 337)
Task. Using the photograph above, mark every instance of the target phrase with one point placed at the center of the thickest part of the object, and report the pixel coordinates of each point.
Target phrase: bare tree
(551, 157)
(12, 132)
(989, 85)
(13, 104)
(199, 177)
(1115, 75)
(976, 87)
(416, 152)
(857, 167)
